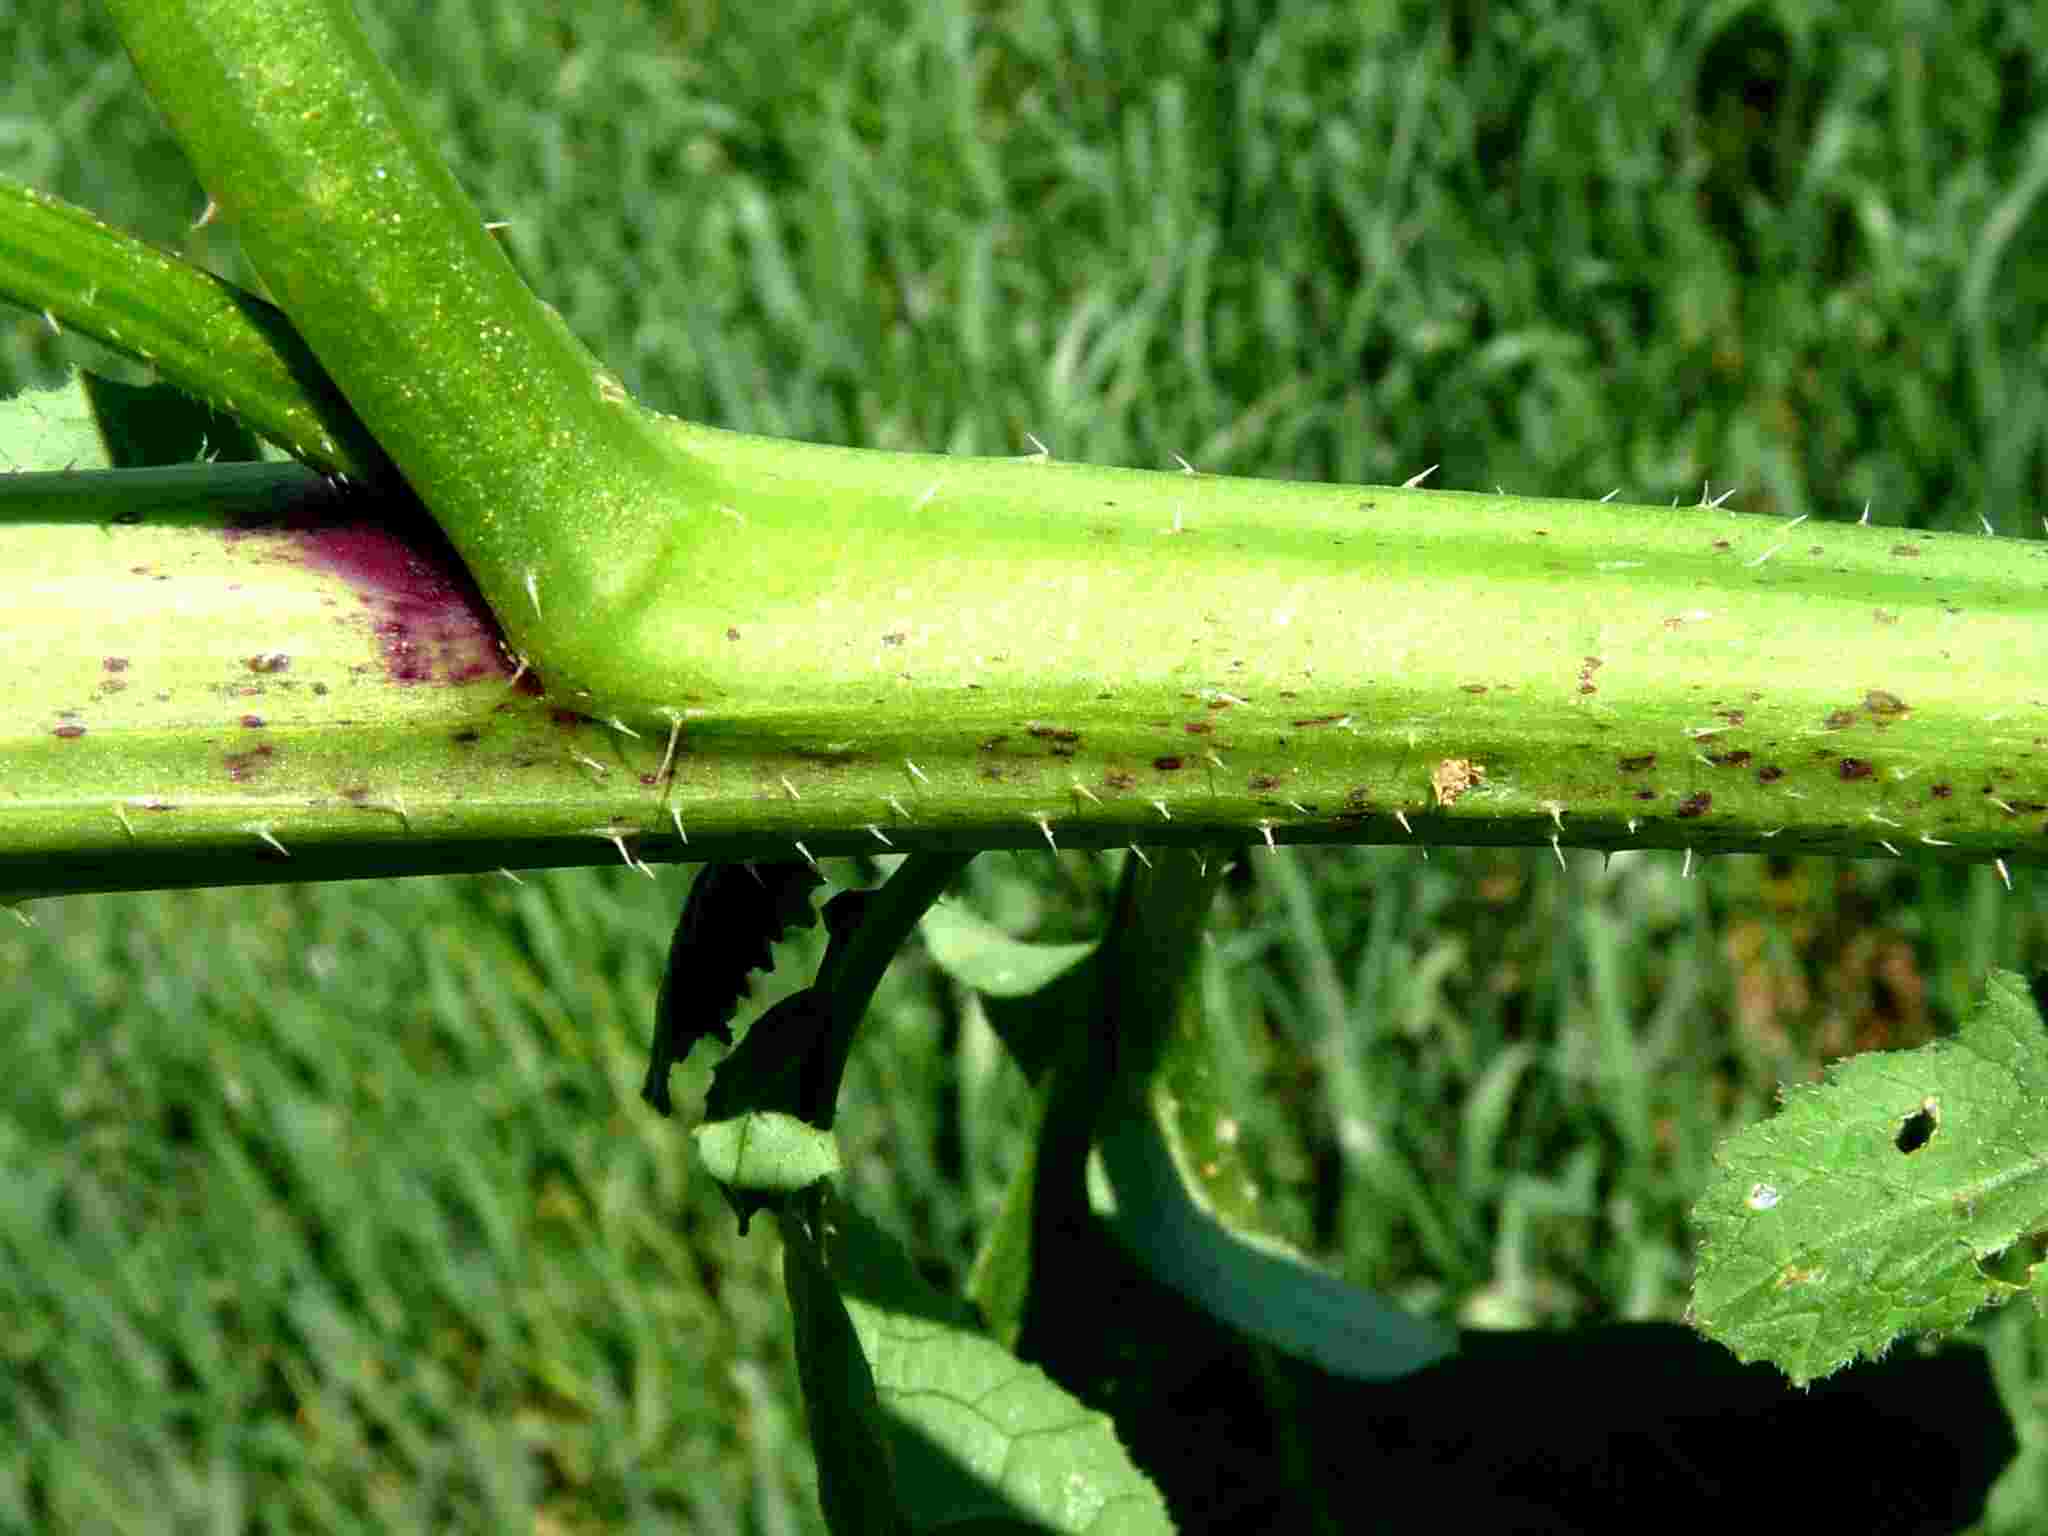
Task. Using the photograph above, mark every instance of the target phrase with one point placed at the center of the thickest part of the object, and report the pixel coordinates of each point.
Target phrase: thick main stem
(793, 643)
(1030, 655)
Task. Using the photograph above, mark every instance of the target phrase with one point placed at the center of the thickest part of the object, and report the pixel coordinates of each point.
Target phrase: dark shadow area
(1614, 1429)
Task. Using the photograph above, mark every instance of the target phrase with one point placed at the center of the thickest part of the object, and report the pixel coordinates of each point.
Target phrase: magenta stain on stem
(430, 624)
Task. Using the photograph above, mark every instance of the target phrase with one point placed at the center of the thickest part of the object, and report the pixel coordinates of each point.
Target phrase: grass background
(334, 1208)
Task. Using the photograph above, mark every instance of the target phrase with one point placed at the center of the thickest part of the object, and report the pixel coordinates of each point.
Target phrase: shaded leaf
(765, 1070)
(1245, 1278)
(1876, 1203)
(999, 1284)
(856, 1476)
(732, 918)
(144, 425)
(974, 951)
(1177, 1193)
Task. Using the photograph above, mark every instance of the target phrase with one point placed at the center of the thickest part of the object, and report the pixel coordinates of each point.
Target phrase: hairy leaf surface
(1892, 1198)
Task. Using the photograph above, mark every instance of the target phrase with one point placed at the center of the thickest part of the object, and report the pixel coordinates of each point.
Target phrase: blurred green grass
(333, 1209)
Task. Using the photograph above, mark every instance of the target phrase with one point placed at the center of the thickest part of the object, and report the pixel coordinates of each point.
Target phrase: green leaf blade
(1869, 1205)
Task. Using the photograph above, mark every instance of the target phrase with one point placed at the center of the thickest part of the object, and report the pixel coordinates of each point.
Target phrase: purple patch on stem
(430, 622)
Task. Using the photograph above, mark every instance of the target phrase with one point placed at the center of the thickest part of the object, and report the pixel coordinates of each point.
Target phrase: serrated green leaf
(90, 422)
(46, 429)
(770, 1153)
(1874, 1204)
(978, 1435)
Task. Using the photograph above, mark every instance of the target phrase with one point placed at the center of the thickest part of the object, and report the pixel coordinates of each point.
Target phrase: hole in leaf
(1917, 1129)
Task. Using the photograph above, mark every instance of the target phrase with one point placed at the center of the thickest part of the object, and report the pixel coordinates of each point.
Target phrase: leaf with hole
(1892, 1198)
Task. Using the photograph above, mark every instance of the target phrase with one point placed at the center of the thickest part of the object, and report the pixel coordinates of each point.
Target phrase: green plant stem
(217, 342)
(888, 918)
(833, 646)
(1826, 703)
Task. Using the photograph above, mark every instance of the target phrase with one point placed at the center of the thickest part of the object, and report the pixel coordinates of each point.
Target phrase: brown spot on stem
(1855, 768)
(1696, 805)
(1453, 776)
(244, 766)
(1638, 764)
